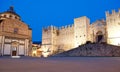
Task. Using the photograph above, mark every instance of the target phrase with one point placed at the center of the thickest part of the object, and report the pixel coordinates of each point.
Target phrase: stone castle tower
(113, 27)
(81, 30)
(71, 36)
(49, 38)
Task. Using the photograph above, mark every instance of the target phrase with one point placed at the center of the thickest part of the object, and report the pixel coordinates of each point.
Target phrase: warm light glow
(113, 29)
(34, 53)
(115, 41)
(45, 54)
(40, 49)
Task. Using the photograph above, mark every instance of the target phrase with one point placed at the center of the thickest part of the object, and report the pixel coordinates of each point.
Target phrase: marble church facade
(15, 35)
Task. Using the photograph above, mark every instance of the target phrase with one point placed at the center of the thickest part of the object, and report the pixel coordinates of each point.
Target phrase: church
(71, 36)
(15, 35)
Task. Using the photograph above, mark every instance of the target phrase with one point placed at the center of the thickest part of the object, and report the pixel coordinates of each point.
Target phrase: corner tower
(113, 27)
(49, 38)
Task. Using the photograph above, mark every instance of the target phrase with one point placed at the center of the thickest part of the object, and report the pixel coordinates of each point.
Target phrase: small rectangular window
(76, 36)
(15, 30)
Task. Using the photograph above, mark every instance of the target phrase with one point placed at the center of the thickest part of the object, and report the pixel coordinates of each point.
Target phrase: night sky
(43, 13)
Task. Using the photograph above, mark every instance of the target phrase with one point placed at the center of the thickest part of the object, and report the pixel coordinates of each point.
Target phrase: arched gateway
(99, 36)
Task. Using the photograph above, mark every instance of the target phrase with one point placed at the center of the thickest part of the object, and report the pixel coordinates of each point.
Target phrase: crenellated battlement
(58, 28)
(49, 28)
(66, 27)
(113, 13)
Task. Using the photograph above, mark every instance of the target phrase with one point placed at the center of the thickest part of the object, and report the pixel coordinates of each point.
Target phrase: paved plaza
(60, 64)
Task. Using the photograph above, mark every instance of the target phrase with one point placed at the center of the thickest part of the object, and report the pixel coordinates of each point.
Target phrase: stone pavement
(60, 64)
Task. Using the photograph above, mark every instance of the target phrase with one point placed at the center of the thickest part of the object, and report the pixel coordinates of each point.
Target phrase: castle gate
(99, 36)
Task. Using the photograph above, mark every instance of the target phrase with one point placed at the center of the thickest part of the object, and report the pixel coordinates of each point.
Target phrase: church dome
(10, 13)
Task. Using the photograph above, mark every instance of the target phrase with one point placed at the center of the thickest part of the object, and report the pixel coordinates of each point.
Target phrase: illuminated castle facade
(71, 36)
(113, 27)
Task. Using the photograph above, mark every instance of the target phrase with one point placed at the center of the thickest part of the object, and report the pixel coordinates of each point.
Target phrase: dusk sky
(43, 13)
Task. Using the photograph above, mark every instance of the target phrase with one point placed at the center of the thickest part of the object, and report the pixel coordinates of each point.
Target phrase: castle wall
(65, 39)
(113, 27)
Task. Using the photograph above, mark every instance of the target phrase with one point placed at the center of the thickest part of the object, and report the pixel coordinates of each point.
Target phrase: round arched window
(16, 17)
(10, 16)
(5, 16)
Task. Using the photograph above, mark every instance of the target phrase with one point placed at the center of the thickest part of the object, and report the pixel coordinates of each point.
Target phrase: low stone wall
(93, 50)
